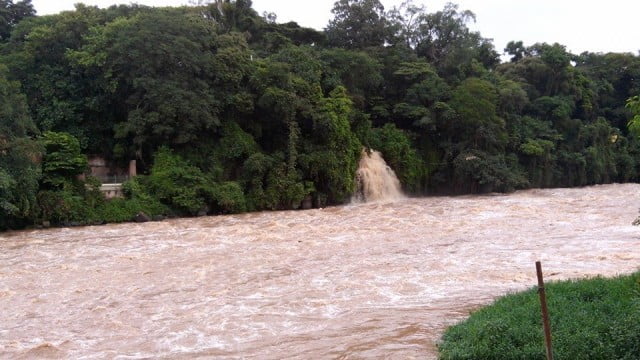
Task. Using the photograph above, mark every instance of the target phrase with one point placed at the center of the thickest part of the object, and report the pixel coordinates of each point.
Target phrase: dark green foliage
(19, 157)
(270, 184)
(398, 152)
(59, 96)
(120, 210)
(19, 176)
(228, 198)
(74, 202)
(234, 147)
(63, 206)
(358, 24)
(161, 81)
(138, 198)
(332, 159)
(516, 50)
(123, 210)
(475, 102)
(355, 70)
(184, 188)
(599, 140)
(178, 184)
(85, 205)
(633, 104)
(444, 39)
(534, 141)
(228, 111)
(590, 319)
(284, 190)
(231, 16)
(255, 170)
(477, 171)
(15, 120)
(63, 159)
(11, 13)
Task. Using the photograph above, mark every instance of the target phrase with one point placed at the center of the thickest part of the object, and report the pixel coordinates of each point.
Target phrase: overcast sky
(581, 25)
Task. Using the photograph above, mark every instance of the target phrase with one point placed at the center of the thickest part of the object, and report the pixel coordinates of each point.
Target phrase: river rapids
(370, 280)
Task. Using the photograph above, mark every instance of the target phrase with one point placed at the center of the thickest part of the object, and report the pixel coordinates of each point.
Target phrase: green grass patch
(590, 319)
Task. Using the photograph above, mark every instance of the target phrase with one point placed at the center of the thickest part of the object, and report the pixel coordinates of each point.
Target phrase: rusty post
(545, 312)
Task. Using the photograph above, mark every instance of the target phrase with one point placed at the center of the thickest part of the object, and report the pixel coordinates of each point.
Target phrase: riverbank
(120, 210)
(590, 319)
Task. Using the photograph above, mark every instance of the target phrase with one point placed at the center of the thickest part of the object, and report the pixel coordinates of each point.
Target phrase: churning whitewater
(376, 181)
(374, 280)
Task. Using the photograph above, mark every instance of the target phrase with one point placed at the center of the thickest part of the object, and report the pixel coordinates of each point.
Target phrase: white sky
(581, 25)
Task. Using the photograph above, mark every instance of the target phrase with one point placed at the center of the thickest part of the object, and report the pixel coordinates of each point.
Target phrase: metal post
(545, 312)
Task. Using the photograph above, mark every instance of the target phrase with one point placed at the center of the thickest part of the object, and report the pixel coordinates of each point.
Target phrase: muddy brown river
(375, 280)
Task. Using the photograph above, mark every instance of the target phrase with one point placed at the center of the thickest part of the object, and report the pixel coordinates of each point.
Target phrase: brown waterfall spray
(376, 180)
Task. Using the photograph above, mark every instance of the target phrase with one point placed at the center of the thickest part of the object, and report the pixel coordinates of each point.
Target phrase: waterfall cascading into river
(376, 181)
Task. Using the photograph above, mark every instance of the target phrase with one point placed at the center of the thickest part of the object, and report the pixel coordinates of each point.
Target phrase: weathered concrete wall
(111, 176)
(111, 191)
(105, 170)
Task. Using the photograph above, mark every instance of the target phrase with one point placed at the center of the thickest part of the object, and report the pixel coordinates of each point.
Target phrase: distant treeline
(227, 110)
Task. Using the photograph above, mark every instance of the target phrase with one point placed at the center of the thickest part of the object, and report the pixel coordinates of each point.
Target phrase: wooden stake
(545, 312)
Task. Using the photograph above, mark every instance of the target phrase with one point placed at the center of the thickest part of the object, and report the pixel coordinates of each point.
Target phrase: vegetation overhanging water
(228, 111)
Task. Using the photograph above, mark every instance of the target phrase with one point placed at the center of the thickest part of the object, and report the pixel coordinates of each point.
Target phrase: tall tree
(406, 20)
(516, 49)
(445, 40)
(333, 158)
(557, 59)
(236, 15)
(159, 69)
(19, 156)
(356, 70)
(475, 101)
(60, 96)
(358, 24)
(11, 14)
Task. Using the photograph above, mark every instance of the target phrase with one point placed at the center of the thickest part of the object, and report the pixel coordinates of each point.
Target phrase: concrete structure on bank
(111, 191)
(111, 176)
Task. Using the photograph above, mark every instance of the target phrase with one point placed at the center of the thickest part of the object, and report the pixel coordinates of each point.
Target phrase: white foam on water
(325, 283)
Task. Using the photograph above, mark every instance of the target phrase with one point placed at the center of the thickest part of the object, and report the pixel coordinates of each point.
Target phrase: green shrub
(118, 210)
(478, 171)
(254, 171)
(178, 184)
(590, 319)
(122, 210)
(284, 190)
(65, 206)
(62, 160)
(138, 189)
(228, 198)
(269, 185)
(397, 150)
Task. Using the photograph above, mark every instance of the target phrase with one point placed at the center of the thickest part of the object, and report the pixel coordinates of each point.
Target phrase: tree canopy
(227, 110)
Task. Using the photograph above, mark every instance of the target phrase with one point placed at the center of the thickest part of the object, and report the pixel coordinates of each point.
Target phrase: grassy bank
(590, 319)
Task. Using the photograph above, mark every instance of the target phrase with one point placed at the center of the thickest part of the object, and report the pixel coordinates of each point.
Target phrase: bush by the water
(590, 319)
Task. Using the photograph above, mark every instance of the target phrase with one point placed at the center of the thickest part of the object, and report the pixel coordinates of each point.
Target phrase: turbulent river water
(374, 280)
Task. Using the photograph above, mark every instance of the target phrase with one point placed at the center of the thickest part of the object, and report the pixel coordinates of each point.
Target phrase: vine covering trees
(229, 111)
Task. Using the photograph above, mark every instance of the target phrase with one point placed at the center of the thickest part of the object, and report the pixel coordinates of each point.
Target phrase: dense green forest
(226, 110)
